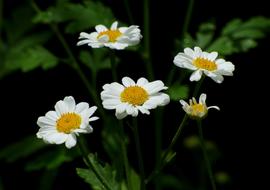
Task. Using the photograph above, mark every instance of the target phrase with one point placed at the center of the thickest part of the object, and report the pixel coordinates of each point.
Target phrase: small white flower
(197, 110)
(67, 121)
(114, 38)
(131, 97)
(203, 62)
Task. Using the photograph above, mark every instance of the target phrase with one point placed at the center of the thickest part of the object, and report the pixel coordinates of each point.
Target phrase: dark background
(239, 129)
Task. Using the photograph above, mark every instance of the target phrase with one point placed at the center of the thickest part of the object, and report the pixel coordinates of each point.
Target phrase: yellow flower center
(134, 95)
(112, 34)
(197, 109)
(205, 64)
(68, 122)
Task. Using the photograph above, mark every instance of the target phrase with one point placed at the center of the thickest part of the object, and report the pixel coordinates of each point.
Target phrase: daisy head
(129, 98)
(204, 63)
(67, 121)
(114, 38)
(197, 110)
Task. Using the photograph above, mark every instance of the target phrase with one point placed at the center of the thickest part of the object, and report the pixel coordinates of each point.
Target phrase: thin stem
(124, 154)
(206, 159)
(75, 65)
(168, 150)
(139, 152)
(113, 65)
(147, 53)
(126, 2)
(198, 86)
(1, 22)
(92, 166)
(183, 33)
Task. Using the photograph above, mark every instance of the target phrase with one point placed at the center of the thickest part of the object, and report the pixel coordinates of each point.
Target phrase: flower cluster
(129, 98)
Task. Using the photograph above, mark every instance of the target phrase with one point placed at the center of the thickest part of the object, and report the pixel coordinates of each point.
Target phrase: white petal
(121, 108)
(196, 75)
(103, 39)
(212, 56)
(130, 109)
(120, 115)
(61, 108)
(154, 87)
(51, 115)
(45, 121)
(122, 29)
(184, 61)
(110, 103)
(197, 51)
(218, 78)
(151, 103)
(214, 107)
(116, 45)
(184, 103)
(114, 25)
(143, 110)
(189, 52)
(101, 28)
(202, 99)
(226, 68)
(93, 118)
(128, 82)
(71, 141)
(135, 113)
(81, 107)
(82, 42)
(70, 103)
(90, 111)
(142, 81)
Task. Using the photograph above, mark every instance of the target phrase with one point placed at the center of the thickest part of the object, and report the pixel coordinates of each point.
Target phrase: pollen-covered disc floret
(114, 38)
(129, 98)
(203, 62)
(67, 121)
(197, 110)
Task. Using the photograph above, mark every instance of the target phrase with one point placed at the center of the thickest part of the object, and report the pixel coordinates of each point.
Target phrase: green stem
(126, 2)
(146, 38)
(124, 154)
(1, 22)
(92, 166)
(113, 65)
(184, 31)
(139, 152)
(168, 150)
(198, 87)
(75, 65)
(206, 159)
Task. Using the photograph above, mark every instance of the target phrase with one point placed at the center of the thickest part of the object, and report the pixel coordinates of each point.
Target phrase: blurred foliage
(29, 34)
(236, 36)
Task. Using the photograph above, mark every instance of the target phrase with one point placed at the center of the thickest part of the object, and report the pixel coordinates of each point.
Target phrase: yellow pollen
(197, 109)
(134, 95)
(112, 34)
(205, 64)
(68, 122)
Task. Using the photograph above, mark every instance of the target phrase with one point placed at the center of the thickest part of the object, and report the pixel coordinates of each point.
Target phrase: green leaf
(178, 92)
(51, 159)
(223, 45)
(95, 60)
(231, 27)
(21, 149)
(79, 17)
(249, 33)
(105, 171)
(205, 34)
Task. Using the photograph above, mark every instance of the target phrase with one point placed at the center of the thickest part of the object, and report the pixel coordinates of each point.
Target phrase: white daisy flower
(197, 110)
(203, 62)
(131, 97)
(114, 38)
(67, 121)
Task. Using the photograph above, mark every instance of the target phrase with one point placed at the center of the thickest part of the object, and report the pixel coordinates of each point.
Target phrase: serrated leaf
(231, 27)
(30, 59)
(105, 171)
(248, 33)
(50, 160)
(21, 149)
(178, 92)
(205, 34)
(223, 45)
(79, 17)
